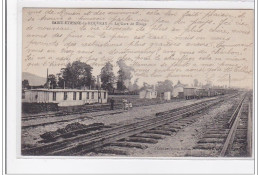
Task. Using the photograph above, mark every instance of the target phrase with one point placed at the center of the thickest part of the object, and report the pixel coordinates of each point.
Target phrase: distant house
(167, 95)
(65, 97)
(178, 90)
(148, 93)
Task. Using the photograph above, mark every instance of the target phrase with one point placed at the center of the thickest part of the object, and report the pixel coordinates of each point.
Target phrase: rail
(233, 117)
(249, 131)
(233, 124)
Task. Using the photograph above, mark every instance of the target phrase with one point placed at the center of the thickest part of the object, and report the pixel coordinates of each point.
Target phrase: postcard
(137, 82)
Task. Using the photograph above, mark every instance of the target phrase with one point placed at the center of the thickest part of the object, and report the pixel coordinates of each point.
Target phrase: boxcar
(212, 93)
(189, 93)
(200, 93)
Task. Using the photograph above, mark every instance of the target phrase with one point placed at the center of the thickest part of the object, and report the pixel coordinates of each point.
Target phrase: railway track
(229, 135)
(162, 123)
(73, 118)
(39, 116)
(92, 109)
(31, 122)
(69, 117)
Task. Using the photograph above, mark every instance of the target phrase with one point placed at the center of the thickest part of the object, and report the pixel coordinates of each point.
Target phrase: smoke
(127, 70)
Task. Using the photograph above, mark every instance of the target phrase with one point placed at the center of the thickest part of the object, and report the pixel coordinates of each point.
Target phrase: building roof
(201, 89)
(65, 90)
(189, 88)
(149, 90)
(179, 84)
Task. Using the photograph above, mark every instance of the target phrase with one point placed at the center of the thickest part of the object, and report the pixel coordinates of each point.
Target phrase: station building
(65, 97)
(178, 90)
(148, 93)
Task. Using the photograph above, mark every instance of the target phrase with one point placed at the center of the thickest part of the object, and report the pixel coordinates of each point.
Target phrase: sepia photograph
(175, 83)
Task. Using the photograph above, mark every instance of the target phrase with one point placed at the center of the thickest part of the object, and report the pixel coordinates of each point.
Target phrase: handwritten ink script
(158, 43)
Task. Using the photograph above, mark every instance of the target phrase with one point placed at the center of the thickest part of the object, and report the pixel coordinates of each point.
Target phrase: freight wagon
(192, 93)
(212, 92)
(220, 91)
(189, 93)
(201, 93)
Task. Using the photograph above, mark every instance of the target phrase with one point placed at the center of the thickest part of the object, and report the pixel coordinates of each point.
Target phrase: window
(92, 95)
(74, 95)
(65, 95)
(87, 95)
(54, 96)
(105, 95)
(80, 95)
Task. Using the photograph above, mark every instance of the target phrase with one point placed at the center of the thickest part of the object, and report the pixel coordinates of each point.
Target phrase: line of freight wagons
(192, 93)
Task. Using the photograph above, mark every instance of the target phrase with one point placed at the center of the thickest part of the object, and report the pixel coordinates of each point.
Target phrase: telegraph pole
(99, 89)
(229, 80)
(47, 82)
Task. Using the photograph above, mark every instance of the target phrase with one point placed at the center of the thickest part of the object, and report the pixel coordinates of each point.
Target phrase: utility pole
(47, 82)
(229, 80)
(47, 75)
(99, 90)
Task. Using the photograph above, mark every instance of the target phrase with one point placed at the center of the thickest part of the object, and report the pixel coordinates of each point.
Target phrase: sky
(160, 44)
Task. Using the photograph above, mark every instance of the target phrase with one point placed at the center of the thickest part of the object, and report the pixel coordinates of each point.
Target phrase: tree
(107, 77)
(76, 75)
(124, 74)
(120, 81)
(135, 85)
(61, 81)
(93, 83)
(130, 86)
(25, 84)
(52, 81)
(146, 86)
(164, 86)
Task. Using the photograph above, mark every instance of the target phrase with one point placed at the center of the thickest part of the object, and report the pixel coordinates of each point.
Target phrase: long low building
(148, 93)
(65, 97)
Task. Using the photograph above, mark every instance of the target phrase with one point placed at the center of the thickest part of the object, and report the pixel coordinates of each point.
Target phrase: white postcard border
(73, 165)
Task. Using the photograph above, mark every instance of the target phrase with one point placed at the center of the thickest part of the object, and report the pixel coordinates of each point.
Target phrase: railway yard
(219, 126)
